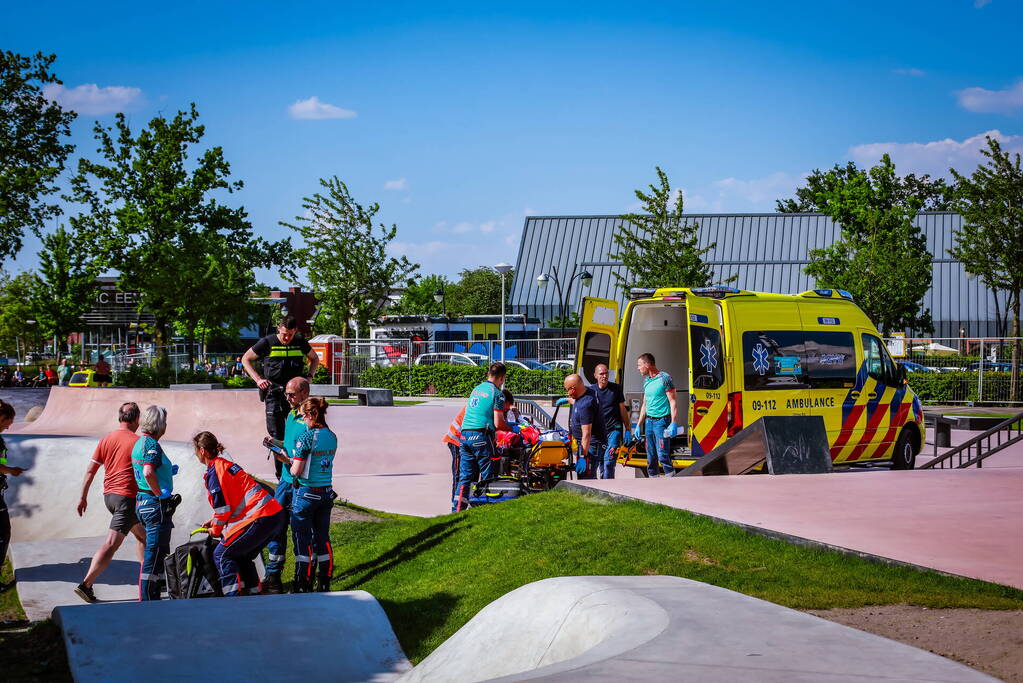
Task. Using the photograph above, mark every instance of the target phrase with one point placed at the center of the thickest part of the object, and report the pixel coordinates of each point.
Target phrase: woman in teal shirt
(154, 474)
(312, 465)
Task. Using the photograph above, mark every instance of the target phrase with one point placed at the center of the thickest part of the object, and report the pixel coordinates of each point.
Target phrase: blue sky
(462, 120)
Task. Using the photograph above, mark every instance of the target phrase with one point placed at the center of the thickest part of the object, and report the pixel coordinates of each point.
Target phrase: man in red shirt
(119, 489)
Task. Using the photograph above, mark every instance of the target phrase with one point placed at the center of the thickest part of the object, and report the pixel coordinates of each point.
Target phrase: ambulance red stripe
(846, 432)
(897, 423)
(709, 442)
(868, 435)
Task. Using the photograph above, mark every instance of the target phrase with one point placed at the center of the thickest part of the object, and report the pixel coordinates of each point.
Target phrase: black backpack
(191, 571)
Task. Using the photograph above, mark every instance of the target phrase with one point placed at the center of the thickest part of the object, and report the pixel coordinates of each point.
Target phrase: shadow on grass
(406, 550)
(416, 622)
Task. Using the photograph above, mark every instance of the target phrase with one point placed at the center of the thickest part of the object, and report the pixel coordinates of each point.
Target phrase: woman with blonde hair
(313, 467)
(245, 516)
(154, 475)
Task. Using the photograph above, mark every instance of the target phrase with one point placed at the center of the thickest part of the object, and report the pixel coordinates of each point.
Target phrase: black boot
(272, 585)
(323, 584)
(302, 585)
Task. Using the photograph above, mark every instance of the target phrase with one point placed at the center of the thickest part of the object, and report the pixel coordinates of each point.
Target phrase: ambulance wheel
(904, 457)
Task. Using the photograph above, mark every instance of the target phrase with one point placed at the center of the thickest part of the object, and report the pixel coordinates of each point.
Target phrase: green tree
(881, 257)
(660, 248)
(345, 257)
(32, 153)
(934, 193)
(990, 244)
(64, 289)
(152, 215)
(478, 292)
(15, 310)
(418, 297)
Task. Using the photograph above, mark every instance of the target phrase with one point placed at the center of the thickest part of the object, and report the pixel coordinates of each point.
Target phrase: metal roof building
(767, 252)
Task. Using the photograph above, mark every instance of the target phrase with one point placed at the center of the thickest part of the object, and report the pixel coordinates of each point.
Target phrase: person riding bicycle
(283, 354)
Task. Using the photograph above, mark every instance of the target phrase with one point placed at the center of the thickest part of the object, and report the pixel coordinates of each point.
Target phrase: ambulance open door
(598, 338)
(710, 414)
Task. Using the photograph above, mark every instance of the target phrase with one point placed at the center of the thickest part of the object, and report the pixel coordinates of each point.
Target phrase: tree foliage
(32, 153)
(345, 256)
(151, 215)
(881, 257)
(418, 297)
(933, 193)
(660, 248)
(478, 292)
(15, 310)
(990, 244)
(65, 287)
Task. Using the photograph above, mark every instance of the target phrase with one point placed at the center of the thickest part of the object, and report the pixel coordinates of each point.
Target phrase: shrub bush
(146, 377)
(457, 380)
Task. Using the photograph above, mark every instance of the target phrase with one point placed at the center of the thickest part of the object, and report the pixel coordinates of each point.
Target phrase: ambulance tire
(904, 456)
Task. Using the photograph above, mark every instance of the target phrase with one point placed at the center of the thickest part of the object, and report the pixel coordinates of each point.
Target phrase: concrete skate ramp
(665, 628)
(314, 637)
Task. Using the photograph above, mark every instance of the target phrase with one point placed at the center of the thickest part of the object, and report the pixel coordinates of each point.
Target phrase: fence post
(980, 374)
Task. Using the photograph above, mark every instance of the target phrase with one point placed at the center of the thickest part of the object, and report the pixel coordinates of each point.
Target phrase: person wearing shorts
(113, 453)
(101, 372)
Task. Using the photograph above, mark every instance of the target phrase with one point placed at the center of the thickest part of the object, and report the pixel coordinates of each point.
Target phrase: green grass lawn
(10, 606)
(433, 575)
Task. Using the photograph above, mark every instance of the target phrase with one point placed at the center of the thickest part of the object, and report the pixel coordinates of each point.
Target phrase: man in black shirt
(587, 426)
(283, 355)
(617, 421)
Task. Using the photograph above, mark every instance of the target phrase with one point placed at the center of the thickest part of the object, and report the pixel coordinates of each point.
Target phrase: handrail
(1009, 425)
(537, 412)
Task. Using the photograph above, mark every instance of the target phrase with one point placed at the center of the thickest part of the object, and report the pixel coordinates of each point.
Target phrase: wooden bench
(329, 390)
(369, 396)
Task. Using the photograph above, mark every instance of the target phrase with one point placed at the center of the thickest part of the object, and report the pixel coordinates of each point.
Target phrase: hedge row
(457, 380)
(956, 387)
(144, 377)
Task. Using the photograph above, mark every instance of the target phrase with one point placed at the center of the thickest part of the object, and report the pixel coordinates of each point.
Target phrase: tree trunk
(160, 338)
(1014, 377)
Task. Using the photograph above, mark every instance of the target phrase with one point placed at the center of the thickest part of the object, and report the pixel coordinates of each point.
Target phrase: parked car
(996, 366)
(526, 364)
(916, 367)
(561, 364)
(473, 359)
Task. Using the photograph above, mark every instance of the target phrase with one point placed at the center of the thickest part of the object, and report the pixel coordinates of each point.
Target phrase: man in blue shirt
(658, 414)
(617, 420)
(586, 424)
(484, 414)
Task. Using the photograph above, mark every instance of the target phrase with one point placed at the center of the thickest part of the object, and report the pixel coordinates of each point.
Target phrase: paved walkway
(963, 522)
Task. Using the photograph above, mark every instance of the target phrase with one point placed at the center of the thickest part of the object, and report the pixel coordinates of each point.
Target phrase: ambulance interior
(659, 329)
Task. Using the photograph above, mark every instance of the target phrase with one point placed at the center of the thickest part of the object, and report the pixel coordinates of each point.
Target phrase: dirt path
(987, 640)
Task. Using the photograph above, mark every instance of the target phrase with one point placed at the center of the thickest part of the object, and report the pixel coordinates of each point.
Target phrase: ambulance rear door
(708, 393)
(598, 339)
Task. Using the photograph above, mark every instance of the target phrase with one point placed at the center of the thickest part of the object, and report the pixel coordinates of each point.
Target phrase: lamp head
(438, 296)
(542, 280)
(586, 277)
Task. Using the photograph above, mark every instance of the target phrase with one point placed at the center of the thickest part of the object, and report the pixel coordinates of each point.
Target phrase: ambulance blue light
(823, 292)
(845, 294)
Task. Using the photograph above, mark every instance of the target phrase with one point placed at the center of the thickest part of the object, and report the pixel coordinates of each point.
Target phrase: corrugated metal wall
(767, 252)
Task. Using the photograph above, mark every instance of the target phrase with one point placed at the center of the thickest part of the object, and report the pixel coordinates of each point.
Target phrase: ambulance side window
(830, 359)
(706, 357)
(596, 350)
(879, 364)
(774, 360)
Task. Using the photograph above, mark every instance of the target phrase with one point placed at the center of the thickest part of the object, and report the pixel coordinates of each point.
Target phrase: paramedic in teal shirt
(296, 392)
(658, 414)
(154, 474)
(484, 414)
(312, 465)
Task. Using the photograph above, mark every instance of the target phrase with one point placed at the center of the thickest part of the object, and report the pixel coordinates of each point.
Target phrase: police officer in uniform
(283, 355)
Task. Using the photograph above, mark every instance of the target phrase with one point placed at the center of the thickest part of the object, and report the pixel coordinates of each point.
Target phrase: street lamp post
(502, 268)
(541, 281)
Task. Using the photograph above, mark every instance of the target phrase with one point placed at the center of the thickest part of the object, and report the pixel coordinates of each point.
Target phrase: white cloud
(908, 72)
(313, 109)
(399, 184)
(981, 3)
(488, 226)
(935, 157)
(463, 227)
(92, 100)
(986, 101)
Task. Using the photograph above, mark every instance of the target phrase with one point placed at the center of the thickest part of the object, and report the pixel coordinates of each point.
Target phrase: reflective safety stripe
(148, 577)
(302, 558)
(286, 352)
(231, 588)
(221, 510)
(274, 558)
(323, 558)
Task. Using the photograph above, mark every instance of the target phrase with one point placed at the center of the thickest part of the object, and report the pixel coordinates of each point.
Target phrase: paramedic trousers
(310, 521)
(277, 409)
(156, 518)
(475, 463)
(658, 448)
(455, 457)
(234, 556)
(277, 548)
(5, 523)
(606, 465)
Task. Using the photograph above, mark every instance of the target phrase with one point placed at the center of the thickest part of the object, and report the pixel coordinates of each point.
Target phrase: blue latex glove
(165, 494)
(671, 431)
(174, 469)
(517, 429)
(626, 438)
(580, 466)
(635, 433)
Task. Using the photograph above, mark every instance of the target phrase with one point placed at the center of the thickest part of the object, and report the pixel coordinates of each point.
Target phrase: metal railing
(960, 370)
(977, 449)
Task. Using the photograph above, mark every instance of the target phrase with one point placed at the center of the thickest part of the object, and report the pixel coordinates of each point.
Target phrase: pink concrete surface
(965, 522)
(1012, 456)
(390, 458)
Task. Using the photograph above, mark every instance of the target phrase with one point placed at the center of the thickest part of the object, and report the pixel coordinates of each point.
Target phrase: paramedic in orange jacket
(244, 515)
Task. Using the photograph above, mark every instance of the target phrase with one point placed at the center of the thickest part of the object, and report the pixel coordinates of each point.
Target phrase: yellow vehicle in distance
(736, 356)
(83, 378)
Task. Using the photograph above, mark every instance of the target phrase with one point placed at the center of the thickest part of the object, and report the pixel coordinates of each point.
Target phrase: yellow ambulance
(735, 356)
